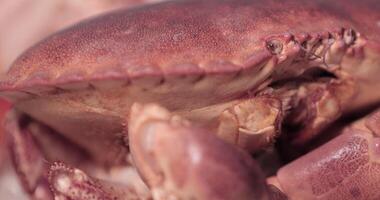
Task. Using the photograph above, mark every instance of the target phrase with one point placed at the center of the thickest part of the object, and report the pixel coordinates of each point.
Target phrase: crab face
(247, 71)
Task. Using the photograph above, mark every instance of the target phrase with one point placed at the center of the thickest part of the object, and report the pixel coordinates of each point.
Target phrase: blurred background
(22, 24)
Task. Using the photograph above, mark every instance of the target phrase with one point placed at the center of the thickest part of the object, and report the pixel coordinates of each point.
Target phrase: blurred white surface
(9, 185)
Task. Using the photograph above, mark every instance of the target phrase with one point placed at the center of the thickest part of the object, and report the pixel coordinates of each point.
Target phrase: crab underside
(189, 100)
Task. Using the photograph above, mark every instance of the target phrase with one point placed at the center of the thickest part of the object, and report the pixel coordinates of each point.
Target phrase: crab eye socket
(274, 46)
(349, 36)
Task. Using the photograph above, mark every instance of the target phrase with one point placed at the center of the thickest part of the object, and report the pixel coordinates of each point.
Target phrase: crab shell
(25, 22)
(193, 57)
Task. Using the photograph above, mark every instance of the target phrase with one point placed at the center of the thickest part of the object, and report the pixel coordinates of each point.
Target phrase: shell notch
(310, 43)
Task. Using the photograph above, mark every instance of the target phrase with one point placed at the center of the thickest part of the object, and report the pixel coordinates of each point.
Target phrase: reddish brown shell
(25, 22)
(189, 55)
(181, 37)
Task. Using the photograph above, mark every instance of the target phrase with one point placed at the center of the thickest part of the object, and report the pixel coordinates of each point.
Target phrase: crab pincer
(180, 161)
(347, 167)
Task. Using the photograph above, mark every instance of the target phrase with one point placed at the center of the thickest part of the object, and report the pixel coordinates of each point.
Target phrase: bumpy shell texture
(181, 37)
(183, 55)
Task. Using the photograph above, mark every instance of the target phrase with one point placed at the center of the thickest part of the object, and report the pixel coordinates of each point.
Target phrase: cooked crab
(232, 76)
(24, 22)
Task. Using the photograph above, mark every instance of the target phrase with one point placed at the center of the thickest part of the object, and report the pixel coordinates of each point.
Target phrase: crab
(176, 100)
(26, 22)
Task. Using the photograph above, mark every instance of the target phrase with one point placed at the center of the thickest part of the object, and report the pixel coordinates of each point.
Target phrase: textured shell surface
(181, 38)
(193, 57)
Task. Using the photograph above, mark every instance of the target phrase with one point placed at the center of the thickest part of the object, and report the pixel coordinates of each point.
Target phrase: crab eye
(274, 46)
(349, 36)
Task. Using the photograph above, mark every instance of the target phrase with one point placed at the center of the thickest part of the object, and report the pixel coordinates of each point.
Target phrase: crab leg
(179, 161)
(254, 123)
(69, 183)
(251, 124)
(319, 105)
(35, 149)
(27, 159)
(348, 167)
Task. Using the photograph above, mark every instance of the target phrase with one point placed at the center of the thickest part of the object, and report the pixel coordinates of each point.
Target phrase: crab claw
(34, 146)
(179, 161)
(346, 168)
(69, 183)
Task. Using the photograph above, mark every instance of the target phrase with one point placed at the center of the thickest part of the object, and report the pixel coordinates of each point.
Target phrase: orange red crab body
(247, 71)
